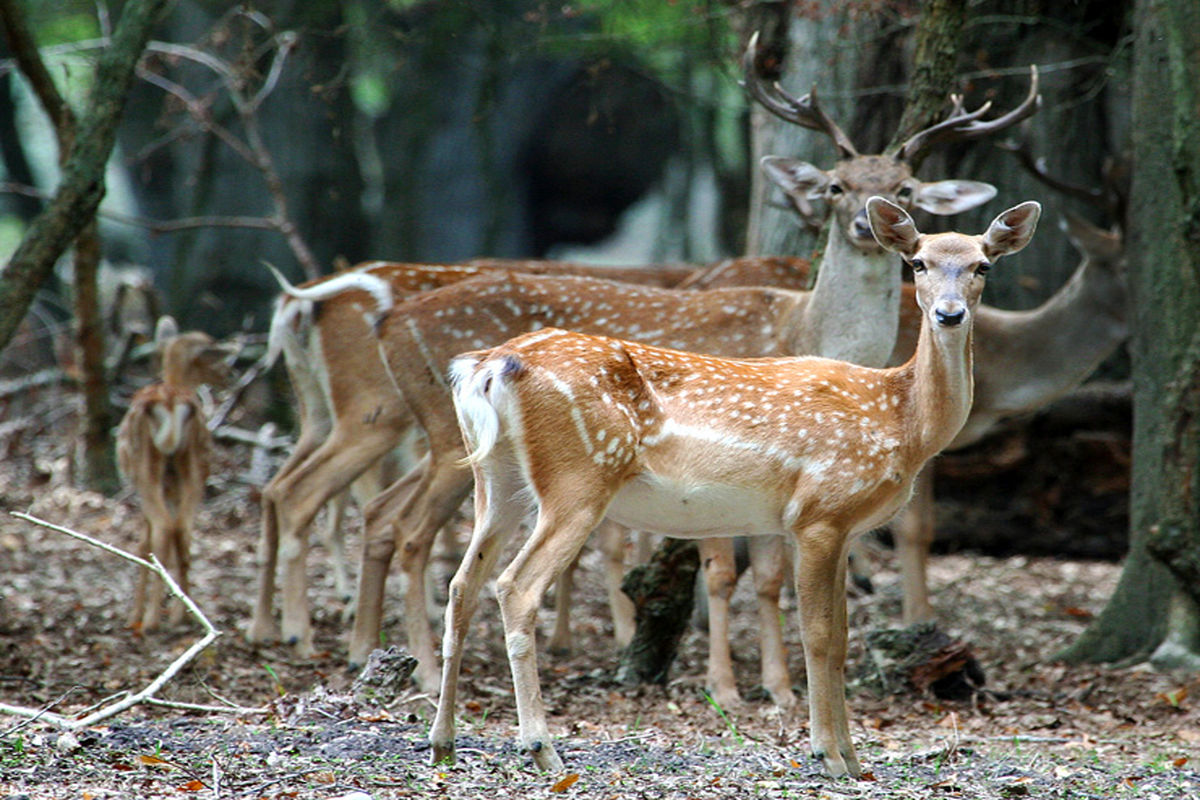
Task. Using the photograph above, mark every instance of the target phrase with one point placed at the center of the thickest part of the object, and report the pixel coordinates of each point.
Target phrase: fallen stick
(146, 695)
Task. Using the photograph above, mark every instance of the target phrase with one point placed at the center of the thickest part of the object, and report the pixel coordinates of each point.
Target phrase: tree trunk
(662, 592)
(95, 460)
(82, 186)
(939, 38)
(1164, 250)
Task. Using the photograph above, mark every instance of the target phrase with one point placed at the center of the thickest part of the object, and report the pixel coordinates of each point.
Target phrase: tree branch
(82, 186)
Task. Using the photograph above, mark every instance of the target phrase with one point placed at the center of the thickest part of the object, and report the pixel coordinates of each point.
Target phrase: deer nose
(862, 227)
(950, 318)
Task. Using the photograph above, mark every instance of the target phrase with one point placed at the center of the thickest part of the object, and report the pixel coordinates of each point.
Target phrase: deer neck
(853, 311)
(175, 370)
(938, 385)
(1062, 340)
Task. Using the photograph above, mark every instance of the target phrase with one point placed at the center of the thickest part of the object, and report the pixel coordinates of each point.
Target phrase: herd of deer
(711, 403)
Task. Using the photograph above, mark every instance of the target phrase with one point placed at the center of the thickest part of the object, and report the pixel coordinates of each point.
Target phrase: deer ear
(165, 330)
(1012, 230)
(1090, 240)
(894, 229)
(952, 196)
(797, 178)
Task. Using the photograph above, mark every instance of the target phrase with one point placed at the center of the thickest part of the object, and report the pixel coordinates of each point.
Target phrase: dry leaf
(153, 761)
(566, 783)
(191, 786)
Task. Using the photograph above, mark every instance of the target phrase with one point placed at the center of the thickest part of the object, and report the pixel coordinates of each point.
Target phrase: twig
(27, 382)
(155, 701)
(146, 695)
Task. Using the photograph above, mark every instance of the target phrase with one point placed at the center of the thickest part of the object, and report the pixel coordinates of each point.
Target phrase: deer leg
(768, 560)
(556, 540)
(143, 575)
(158, 519)
(262, 625)
(419, 524)
(560, 640)
(494, 522)
(191, 495)
(820, 575)
(914, 533)
(328, 471)
(379, 543)
(612, 538)
(160, 538)
(720, 578)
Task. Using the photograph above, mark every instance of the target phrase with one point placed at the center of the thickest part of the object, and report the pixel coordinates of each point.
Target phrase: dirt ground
(1041, 729)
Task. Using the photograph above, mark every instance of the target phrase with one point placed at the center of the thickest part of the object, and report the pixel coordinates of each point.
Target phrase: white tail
(698, 446)
(163, 451)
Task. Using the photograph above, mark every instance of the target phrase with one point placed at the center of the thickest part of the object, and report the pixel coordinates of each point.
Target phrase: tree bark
(82, 186)
(662, 592)
(939, 38)
(1164, 250)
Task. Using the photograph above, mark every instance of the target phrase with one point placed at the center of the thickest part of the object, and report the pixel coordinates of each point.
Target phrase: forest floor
(1041, 729)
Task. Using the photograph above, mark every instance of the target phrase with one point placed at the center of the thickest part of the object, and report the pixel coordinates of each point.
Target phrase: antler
(963, 125)
(803, 111)
(1108, 198)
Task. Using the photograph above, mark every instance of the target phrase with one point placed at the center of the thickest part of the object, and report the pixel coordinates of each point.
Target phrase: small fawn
(163, 451)
(697, 446)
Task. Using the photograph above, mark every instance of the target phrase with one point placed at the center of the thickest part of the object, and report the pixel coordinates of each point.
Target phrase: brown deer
(1026, 359)
(432, 332)
(351, 417)
(1023, 360)
(813, 449)
(419, 337)
(163, 453)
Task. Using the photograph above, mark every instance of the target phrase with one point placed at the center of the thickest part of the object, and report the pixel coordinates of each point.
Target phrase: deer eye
(905, 193)
(835, 188)
(917, 265)
(982, 268)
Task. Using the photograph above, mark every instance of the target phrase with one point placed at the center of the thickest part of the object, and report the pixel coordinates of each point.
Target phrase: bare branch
(146, 695)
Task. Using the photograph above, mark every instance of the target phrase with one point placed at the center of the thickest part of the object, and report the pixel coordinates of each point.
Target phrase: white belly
(688, 510)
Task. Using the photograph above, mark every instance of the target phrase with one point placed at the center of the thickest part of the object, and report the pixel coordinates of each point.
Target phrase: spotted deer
(351, 418)
(418, 338)
(814, 450)
(163, 453)
(1026, 359)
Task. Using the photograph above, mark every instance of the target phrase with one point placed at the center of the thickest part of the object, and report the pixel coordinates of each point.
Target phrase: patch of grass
(737, 735)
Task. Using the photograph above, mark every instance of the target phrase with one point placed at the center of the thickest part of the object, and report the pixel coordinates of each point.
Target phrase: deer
(418, 338)
(351, 419)
(815, 450)
(432, 332)
(163, 448)
(1023, 361)
(1026, 359)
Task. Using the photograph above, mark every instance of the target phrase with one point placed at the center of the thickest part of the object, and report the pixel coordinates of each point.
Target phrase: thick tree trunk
(82, 187)
(939, 40)
(1164, 250)
(662, 592)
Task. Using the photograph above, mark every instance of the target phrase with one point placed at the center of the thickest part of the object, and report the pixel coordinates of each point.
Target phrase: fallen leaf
(1173, 698)
(153, 761)
(191, 786)
(566, 783)
(1179, 762)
